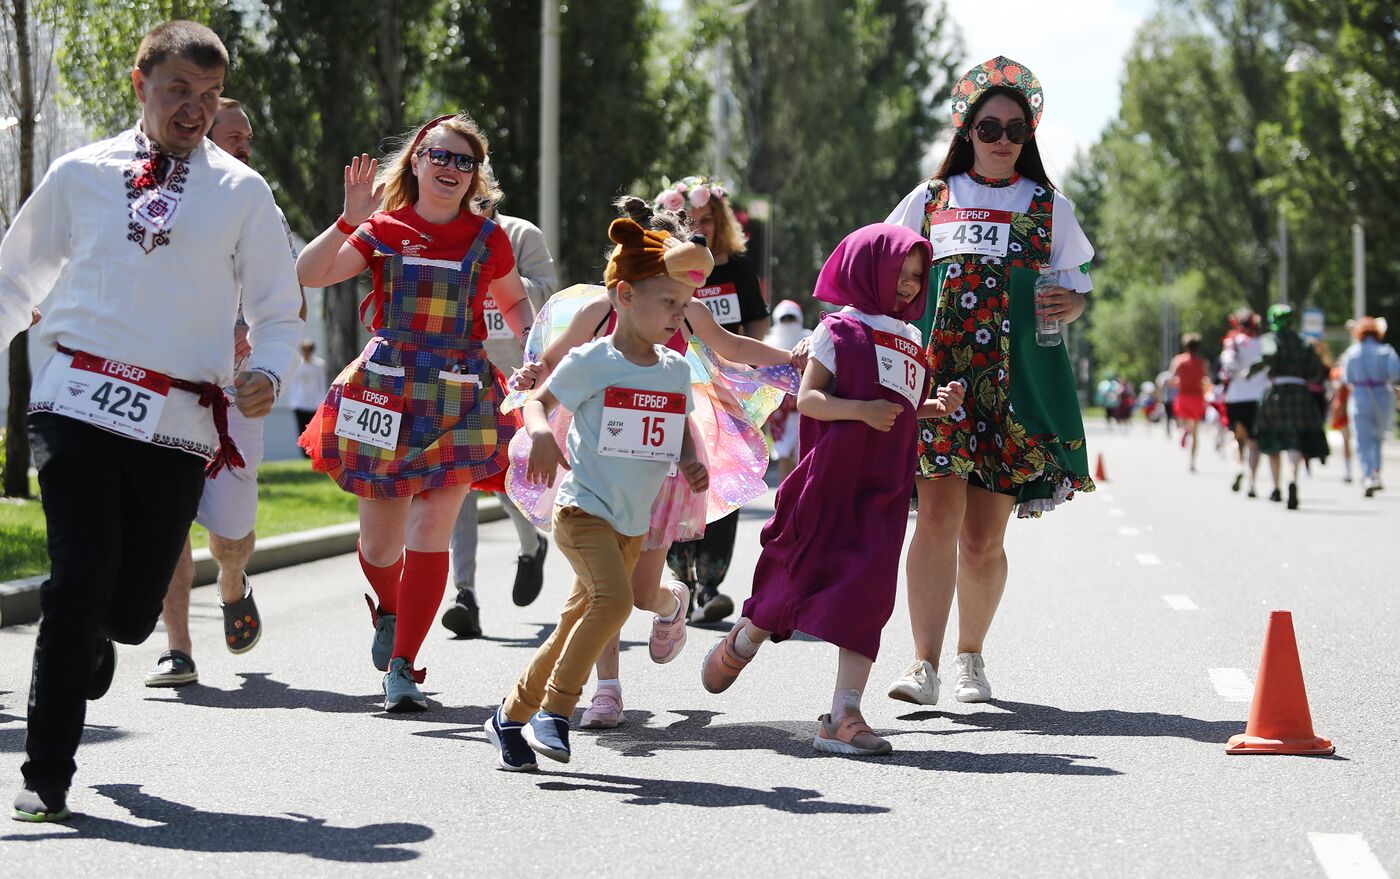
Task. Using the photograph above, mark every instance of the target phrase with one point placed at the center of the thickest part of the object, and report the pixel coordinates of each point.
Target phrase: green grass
(291, 497)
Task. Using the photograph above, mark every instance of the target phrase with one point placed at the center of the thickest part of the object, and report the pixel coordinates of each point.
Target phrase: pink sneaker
(605, 711)
(667, 639)
(724, 662)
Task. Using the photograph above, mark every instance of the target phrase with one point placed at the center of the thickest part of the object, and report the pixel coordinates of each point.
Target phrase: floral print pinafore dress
(1019, 431)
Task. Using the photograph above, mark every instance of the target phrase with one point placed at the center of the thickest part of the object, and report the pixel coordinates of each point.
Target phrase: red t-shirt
(1190, 373)
(414, 237)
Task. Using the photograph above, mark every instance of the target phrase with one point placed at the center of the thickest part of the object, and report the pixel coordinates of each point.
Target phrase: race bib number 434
(959, 230)
(642, 424)
(118, 396)
(370, 417)
(900, 364)
(722, 300)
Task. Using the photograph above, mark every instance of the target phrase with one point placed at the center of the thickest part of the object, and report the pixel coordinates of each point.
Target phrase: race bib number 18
(370, 417)
(900, 364)
(957, 230)
(642, 424)
(118, 396)
(496, 326)
(723, 302)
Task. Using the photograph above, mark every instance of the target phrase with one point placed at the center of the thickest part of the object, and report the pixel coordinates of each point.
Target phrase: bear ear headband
(998, 71)
(645, 253)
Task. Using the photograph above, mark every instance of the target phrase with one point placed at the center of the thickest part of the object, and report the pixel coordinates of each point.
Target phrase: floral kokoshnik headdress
(999, 71)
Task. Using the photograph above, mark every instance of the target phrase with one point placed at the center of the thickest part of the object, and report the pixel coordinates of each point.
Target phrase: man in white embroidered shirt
(145, 241)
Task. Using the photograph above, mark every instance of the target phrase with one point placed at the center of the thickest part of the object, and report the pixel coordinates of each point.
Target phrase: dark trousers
(118, 511)
(303, 417)
(705, 562)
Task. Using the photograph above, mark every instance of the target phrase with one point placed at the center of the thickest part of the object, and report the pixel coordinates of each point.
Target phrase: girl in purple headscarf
(830, 560)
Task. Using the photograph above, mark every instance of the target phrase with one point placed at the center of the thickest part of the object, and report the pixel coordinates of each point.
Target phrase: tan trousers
(598, 605)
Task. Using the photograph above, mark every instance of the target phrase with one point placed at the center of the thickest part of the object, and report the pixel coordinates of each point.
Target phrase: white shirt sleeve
(910, 212)
(1070, 250)
(34, 252)
(266, 270)
(823, 348)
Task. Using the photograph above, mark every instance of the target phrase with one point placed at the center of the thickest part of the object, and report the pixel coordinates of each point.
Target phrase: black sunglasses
(990, 131)
(465, 162)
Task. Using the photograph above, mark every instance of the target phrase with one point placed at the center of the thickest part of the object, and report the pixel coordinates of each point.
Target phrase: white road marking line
(1180, 602)
(1147, 558)
(1115, 512)
(1128, 532)
(1232, 684)
(1346, 856)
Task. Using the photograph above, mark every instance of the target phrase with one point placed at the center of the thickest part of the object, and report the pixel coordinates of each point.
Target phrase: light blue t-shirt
(619, 490)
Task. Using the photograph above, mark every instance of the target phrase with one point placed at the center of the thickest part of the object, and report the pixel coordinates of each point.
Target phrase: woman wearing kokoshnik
(414, 422)
(995, 221)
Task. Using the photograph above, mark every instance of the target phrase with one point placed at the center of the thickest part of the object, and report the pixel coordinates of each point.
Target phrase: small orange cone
(1279, 720)
(1098, 470)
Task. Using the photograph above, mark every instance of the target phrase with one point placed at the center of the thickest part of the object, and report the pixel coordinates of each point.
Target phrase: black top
(733, 294)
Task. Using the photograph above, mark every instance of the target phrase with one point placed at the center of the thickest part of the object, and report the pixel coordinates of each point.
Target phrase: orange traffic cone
(1098, 470)
(1279, 720)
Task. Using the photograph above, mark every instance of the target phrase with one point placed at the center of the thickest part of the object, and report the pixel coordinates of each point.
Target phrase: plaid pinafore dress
(452, 431)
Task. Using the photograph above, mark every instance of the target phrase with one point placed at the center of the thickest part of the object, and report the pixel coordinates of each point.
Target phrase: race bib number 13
(900, 364)
(370, 417)
(642, 424)
(118, 396)
(957, 230)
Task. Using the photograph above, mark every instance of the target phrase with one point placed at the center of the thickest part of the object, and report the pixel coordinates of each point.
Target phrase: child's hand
(880, 414)
(695, 474)
(951, 395)
(526, 377)
(800, 352)
(545, 460)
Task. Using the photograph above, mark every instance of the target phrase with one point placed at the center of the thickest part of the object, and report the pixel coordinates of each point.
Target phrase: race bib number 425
(642, 424)
(370, 417)
(722, 300)
(958, 230)
(118, 396)
(901, 365)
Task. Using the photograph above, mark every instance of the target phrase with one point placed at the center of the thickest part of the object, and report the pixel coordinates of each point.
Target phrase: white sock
(615, 683)
(746, 646)
(844, 702)
(671, 617)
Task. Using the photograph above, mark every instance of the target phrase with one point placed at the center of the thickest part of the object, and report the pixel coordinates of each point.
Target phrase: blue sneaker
(382, 648)
(548, 734)
(514, 754)
(401, 691)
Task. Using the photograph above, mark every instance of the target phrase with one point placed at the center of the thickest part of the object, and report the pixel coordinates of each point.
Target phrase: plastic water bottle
(1047, 330)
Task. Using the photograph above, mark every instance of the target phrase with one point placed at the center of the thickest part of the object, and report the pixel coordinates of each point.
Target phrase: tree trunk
(16, 476)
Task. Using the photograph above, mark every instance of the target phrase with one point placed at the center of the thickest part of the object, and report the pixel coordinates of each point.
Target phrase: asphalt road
(1121, 661)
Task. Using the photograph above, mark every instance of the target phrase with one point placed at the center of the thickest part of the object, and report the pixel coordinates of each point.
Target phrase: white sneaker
(919, 684)
(973, 685)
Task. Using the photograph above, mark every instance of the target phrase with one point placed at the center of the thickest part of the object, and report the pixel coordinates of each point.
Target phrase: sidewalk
(19, 599)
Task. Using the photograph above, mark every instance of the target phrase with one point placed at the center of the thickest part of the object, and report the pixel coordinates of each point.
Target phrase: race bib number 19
(723, 302)
(118, 396)
(900, 364)
(642, 424)
(370, 417)
(496, 326)
(957, 230)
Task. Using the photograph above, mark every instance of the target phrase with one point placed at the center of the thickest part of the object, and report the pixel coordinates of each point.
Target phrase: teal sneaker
(401, 691)
(383, 645)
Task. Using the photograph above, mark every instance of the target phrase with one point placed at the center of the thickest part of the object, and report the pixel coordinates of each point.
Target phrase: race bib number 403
(959, 230)
(118, 396)
(723, 302)
(370, 417)
(900, 364)
(642, 424)
(496, 326)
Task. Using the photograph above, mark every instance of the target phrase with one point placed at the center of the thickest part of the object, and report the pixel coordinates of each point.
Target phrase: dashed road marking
(1232, 684)
(1147, 558)
(1127, 531)
(1180, 602)
(1346, 856)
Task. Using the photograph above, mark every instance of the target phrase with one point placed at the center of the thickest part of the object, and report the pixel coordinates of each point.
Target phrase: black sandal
(242, 625)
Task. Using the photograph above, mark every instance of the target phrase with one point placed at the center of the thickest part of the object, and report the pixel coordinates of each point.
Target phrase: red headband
(426, 128)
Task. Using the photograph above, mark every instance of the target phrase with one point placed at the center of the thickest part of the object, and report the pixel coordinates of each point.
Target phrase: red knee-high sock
(420, 594)
(384, 581)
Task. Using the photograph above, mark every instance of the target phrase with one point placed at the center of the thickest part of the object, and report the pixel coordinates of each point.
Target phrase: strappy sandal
(242, 625)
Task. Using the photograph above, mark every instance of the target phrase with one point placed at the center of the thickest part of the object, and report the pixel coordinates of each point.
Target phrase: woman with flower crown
(999, 230)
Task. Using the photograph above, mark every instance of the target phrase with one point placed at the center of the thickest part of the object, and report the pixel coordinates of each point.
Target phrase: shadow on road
(185, 828)
(534, 641)
(656, 791)
(696, 732)
(1047, 720)
(12, 727)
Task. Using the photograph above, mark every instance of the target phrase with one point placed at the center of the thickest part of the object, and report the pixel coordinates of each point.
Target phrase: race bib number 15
(118, 396)
(958, 230)
(642, 424)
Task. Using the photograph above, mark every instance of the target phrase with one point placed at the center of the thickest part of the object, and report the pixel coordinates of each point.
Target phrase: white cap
(787, 308)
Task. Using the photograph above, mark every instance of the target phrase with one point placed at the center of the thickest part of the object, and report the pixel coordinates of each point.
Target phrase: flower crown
(696, 190)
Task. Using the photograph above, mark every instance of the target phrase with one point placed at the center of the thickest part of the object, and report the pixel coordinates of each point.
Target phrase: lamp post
(549, 123)
(1358, 271)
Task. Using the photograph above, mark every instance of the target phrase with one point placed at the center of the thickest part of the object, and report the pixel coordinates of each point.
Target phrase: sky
(1074, 47)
